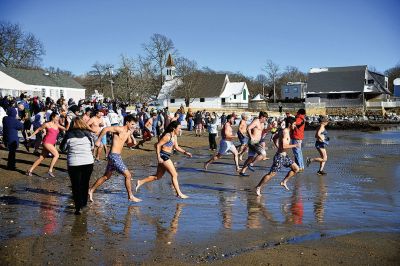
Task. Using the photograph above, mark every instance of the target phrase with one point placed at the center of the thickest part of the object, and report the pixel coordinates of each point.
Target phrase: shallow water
(360, 193)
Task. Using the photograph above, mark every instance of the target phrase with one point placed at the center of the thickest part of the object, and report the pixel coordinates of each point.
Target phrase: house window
(295, 89)
(386, 84)
(61, 93)
(223, 100)
(370, 81)
(244, 95)
(43, 93)
(202, 100)
(172, 101)
(286, 90)
(234, 97)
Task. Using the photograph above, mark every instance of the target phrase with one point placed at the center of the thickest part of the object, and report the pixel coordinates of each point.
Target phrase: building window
(295, 89)
(202, 100)
(286, 90)
(386, 84)
(234, 97)
(172, 101)
(370, 81)
(244, 95)
(223, 100)
(61, 93)
(43, 93)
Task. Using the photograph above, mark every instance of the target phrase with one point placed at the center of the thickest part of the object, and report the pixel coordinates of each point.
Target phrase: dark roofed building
(37, 82)
(345, 86)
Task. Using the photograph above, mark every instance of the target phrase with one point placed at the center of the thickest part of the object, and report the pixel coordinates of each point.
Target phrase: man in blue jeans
(297, 137)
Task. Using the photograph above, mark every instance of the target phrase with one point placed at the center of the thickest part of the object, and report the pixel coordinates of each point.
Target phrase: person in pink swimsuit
(49, 141)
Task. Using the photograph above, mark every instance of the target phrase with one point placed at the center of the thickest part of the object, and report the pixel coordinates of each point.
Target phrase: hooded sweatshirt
(11, 125)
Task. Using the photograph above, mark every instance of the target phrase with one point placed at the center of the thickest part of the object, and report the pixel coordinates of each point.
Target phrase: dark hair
(88, 109)
(290, 120)
(53, 114)
(171, 127)
(262, 113)
(228, 117)
(301, 111)
(130, 118)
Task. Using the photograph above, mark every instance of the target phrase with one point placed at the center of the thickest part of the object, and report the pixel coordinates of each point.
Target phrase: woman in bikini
(164, 148)
(49, 141)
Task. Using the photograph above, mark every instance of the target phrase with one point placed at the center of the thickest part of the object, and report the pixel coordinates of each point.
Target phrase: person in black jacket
(79, 144)
(11, 125)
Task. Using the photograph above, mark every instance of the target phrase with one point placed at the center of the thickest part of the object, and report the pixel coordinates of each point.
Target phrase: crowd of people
(88, 131)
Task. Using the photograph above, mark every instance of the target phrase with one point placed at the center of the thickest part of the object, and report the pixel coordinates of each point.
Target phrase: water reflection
(320, 198)
(226, 203)
(164, 234)
(293, 211)
(256, 209)
(49, 214)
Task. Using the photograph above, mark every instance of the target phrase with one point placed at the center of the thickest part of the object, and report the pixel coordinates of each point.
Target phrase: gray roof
(40, 77)
(337, 79)
(206, 86)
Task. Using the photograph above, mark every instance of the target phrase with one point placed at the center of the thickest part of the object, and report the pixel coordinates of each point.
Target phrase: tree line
(140, 78)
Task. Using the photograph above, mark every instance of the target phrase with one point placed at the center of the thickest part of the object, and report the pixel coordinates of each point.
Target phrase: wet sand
(349, 216)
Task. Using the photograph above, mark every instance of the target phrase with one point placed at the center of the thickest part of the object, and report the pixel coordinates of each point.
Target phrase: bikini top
(170, 143)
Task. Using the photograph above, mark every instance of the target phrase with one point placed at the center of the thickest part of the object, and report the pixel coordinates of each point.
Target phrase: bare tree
(187, 71)
(272, 71)
(19, 49)
(157, 50)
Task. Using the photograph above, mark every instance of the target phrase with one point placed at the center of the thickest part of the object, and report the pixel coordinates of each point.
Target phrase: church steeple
(170, 66)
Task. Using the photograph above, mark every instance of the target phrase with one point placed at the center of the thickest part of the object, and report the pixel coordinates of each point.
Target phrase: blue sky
(236, 36)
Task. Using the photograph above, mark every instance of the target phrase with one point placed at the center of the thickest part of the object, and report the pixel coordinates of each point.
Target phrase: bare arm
(114, 129)
(39, 129)
(250, 127)
(181, 150)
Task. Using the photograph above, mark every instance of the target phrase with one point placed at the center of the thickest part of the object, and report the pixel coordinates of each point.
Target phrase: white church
(211, 91)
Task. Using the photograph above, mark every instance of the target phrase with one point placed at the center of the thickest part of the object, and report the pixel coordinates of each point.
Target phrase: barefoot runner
(164, 148)
(281, 158)
(122, 135)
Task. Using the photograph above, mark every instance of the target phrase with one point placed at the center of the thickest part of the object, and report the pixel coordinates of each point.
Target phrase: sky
(234, 36)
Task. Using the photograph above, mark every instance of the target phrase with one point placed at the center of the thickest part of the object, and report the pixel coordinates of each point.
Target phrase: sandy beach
(348, 217)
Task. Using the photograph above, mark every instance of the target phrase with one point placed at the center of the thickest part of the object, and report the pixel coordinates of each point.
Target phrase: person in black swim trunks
(168, 142)
(322, 141)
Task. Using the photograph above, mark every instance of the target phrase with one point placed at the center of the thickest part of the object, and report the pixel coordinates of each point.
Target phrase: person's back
(11, 125)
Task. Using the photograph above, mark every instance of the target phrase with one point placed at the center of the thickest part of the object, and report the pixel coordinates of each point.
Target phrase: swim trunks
(115, 163)
(280, 159)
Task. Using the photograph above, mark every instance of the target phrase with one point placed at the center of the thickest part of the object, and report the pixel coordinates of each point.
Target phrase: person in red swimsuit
(49, 141)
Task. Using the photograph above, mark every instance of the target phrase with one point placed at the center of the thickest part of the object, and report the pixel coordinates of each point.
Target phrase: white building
(36, 82)
(209, 91)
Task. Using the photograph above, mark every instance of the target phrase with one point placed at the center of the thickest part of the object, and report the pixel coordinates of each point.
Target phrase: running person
(122, 135)
(52, 128)
(256, 150)
(226, 144)
(281, 158)
(242, 135)
(322, 141)
(164, 148)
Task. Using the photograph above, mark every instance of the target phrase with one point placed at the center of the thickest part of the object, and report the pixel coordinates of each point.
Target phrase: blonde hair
(80, 124)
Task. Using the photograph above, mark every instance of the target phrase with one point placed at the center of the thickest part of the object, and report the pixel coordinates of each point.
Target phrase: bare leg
(246, 164)
(263, 181)
(294, 169)
(151, 178)
(98, 183)
(213, 159)
(55, 154)
(236, 159)
(39, 160)
(128, 187)
(169, 166)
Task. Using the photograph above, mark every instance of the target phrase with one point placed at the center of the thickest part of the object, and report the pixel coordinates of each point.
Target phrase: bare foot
(182, 196)
(134, 199)
(138, 185)
(90, 193)
(205, 166)
(238, 169)
(258, 191)
(283, 184)
(265, 158)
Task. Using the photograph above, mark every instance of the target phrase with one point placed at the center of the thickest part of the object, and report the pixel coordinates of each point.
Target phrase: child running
(122, 135)
(322, 141)
(164, 148)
